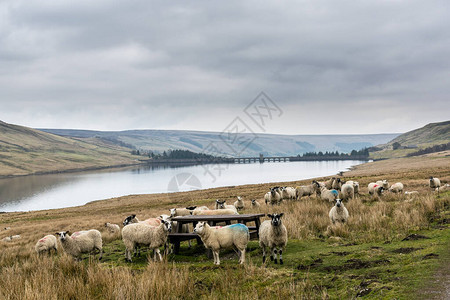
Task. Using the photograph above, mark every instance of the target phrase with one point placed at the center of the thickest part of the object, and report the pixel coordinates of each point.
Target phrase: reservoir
(51, 191)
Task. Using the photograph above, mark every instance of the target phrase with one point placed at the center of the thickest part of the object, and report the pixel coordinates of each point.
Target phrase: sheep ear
(67, 232)
(133, 216)
(281, 214)
(270, 216)
(57, 233)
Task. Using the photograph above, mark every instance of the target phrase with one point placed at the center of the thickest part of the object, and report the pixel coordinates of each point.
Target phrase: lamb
(288, 193)
(273, 196)
(113, 228)
(273, 234)
(216, 238)
(215, 212)
(326, 194)
(338, 213)
(304, 190)
(11, 237)
(132, 219)
(239, 204)
(375, 189)
(46, 244)
(336, 185)
(435, 183)
(81, 242)
(221, 204)
(177, 212)
(384, 183)
(142, 234)
(255, 204)
(396, 188)
(347, 192)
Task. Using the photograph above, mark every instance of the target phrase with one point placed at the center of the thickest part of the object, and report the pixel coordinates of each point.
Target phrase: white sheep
(355, 186)
(411, 193)
(304, 190)
(288, 193)
(113, 228)
(132, 219)
(215, 212)
(142, 234)
(384, 183)
(347, 192)
(221, 204)
(184, 211)
(81, 242)
(273, 234)
(46, 244)
(336, 185)
(273, 196)
(375, 189)
(435, 183)
(11, 237)
(184, 228)
(255, 204)
(338, 213)
(329, 195)
(396, 188)
(216, 238)
(239, 204)
(202, 208)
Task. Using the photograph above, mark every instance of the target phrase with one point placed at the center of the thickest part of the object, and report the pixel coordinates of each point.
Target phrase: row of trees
(432, 149)
(359, 153)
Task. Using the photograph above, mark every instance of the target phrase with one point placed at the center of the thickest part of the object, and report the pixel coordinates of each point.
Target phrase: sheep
(329, 183)
(11, 237)
(318, 186)
(176, 212)
(304, 190)
(355, 185)
(273, 196)
(396, 188)
(216, 238)
(221, 204)
(255, 204)
(47, 243)
(132, 219)
(435, 183)
(347, 192)
(202, 208)
(215, 212)
(336, 185)
(184, 228)
(288, 193)
(273, 234)
(326, 194)
(411, 193)
(384, 183)
(338, 213)
(142, 234)
(239, 204)
(113, 228)
(375, 189)
(81, 242)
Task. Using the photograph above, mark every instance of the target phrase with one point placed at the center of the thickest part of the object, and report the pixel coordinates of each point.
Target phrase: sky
(324, 67)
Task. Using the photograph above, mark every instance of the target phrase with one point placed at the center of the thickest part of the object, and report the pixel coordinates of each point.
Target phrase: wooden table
(177, 236)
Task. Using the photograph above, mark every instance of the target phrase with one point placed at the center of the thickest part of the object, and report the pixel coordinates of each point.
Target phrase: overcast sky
(329, 66)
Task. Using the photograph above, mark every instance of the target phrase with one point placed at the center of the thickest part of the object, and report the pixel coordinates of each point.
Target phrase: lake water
(73, 189)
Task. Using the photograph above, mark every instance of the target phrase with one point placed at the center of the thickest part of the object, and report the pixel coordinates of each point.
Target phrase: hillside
(26, 151)
(198, 141)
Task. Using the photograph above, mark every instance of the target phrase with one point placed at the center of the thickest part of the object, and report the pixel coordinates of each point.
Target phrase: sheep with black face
(338, 213)
(273, 234)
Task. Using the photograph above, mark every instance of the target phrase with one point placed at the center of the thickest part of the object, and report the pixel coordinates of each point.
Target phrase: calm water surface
(73, 189)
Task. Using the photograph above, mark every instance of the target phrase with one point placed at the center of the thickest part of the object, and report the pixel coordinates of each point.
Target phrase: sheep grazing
(435, 183)
(375, 189)
(273, 196)
(81, 242)
(11, 237)
(221, 204)
(396, 188)
(347, 192)
(215, 212)
(355, 185)
(46, 244)
(338, 213)
(178, 212)
(255, 204)
(239, 204)
(336, 185)
(132, 219)
(384, 183)
(273, 234)
(113, 228)
(142, 234)
(304, 190)
(329, 195)
(329, 183)
(288, 193)
(216, 238)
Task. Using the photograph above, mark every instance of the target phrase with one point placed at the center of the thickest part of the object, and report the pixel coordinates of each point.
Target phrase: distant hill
(200, 141)
(26, 151)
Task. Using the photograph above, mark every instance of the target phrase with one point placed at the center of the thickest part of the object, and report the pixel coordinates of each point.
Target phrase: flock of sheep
(154, 232)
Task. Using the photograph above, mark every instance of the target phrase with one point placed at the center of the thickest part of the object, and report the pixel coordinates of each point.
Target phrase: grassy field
(395, 247)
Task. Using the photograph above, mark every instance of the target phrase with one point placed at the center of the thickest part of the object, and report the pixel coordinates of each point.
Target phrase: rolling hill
(254, 144)
(26, 151)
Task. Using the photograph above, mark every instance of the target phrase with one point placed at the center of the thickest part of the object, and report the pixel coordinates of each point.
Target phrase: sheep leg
(101, 253)
(264, 254)
(281, 256)
(242, 258)
(274, 250)
(159, 254)
(216, 257)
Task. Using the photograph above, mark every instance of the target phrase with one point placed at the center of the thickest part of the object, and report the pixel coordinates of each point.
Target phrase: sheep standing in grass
(11, 237)
(113, 228)
(132, 219)
(288, 193)
(273, 234)
(317, 187)
(329, 195)
(81, 242)
(375, 189)
(304, 190)
(338, 213)
(221, 204)
(239, 204)
(184, 228)
(216, 238)
(142, 234)
(355, 185)
(255, 204)
(396, 188)
(336, 185)
(329, 183)
(273, 196)
(46, 244)
(384, 183)
(347, 192)
(435, 183)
